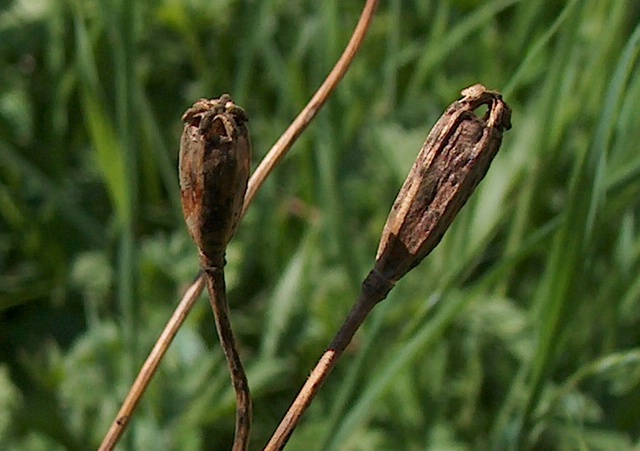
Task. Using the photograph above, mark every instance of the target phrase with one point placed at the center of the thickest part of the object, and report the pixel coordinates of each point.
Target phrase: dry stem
(453, 160)
(300, 123)
(218, 299)
(151, 364)
(374, 289)
(275, 154)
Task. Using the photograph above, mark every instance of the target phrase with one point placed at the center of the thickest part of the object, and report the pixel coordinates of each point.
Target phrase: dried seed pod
(453, 160)
(215, 154)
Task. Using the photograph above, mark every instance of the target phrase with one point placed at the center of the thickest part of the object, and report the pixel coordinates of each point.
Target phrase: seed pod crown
(215, 154)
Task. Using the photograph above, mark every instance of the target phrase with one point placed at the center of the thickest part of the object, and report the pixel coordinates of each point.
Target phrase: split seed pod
(453, 160)
(215, 155)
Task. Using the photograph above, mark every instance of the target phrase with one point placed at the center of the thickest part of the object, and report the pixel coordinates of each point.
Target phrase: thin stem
(151, 364)
(218, 299)
(275, 154)
(374, 289)
(300, 123)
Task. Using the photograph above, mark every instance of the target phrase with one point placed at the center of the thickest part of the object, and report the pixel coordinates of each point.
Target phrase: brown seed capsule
(453, 160)
(215, 154)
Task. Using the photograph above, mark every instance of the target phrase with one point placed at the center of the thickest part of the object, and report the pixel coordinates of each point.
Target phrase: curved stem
(300, 123)
(275, 154)
(218, 299)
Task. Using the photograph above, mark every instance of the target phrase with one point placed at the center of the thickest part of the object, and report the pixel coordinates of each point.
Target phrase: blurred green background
(522, 329)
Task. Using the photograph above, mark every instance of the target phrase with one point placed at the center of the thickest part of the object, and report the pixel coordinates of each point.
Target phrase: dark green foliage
(519, 332)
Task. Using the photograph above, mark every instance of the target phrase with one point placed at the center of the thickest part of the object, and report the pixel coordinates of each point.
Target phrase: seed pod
(453, 160)
(215, 155)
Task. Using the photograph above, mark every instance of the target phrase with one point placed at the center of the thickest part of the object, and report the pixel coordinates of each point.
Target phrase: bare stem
(275, 154)
(300, 123)
(374, 289)
(218, 299)
(151, 364)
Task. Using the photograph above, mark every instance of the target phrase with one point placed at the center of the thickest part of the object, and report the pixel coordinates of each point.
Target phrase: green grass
(520, 331)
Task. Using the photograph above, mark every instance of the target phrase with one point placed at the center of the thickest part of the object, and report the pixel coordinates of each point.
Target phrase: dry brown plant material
(215, 157)
(266, 166)
(454, 159)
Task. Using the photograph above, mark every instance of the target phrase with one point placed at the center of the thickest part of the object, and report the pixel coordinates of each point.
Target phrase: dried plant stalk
(215, 156)
(151, 365)
(275, 154)
(453, 160)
